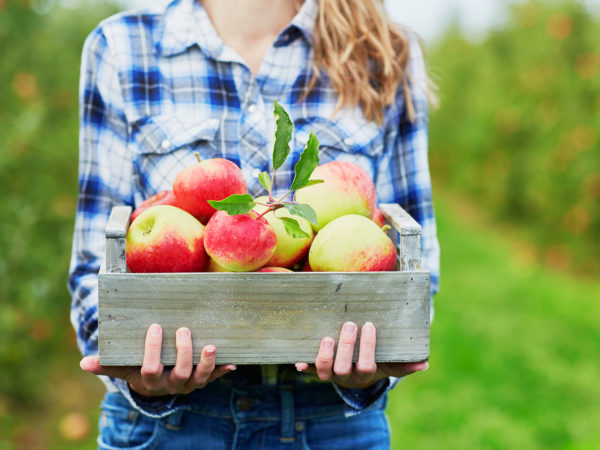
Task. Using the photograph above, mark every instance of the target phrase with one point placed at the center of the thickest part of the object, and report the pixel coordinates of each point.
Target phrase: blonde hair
(364, 54)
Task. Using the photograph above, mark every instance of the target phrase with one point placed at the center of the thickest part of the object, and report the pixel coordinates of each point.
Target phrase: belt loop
(286, 393)
(173, 421)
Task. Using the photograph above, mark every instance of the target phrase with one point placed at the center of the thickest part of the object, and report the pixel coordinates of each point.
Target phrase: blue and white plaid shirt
(157, 86)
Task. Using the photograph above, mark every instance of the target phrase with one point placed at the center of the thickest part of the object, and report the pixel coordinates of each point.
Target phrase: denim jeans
(222, 416)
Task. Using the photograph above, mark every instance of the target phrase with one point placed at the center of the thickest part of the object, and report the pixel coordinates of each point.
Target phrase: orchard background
(515, 159)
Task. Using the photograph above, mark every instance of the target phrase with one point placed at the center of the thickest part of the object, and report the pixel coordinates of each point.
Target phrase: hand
(152, 379)
(366, 372)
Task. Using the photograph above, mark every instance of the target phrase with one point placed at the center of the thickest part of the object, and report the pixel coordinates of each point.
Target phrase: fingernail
(298, 367)
(154, 330)
(327, 343)
(350, 327)
(425, 366)
(183, 332)
(368, 329)
(210, 350)
(231, 367)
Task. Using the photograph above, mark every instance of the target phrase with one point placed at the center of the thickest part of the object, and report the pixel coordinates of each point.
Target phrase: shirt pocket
(357, 142)
(165, 145)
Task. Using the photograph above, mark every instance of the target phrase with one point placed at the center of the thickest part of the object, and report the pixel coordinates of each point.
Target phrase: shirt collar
(186, 22)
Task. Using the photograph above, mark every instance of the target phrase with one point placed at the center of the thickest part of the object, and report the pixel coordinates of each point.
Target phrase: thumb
(92, 364)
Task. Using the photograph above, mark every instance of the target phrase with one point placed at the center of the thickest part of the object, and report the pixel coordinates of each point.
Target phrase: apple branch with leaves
(309, 160)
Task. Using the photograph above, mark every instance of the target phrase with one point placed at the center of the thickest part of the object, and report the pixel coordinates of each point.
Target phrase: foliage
(38, 178)
(518, 129)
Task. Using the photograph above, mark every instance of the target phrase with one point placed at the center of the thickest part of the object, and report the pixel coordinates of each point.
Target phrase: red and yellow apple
(274, 269)
(165, 197)
(289, 250)
(378, 218)
(352, 243)
(165, 239)
(241, 243)
(347, 189)
(210, 179)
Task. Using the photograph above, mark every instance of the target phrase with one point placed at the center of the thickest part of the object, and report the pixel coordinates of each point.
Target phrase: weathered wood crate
(263, 318)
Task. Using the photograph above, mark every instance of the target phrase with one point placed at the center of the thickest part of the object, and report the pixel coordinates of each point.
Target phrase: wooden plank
(116, 232)
(262, 318)
(407, 238)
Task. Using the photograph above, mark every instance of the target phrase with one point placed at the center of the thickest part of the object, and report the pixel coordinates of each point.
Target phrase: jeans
(222, 416)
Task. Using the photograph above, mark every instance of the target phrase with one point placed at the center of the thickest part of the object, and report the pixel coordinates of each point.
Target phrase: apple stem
(197, 155)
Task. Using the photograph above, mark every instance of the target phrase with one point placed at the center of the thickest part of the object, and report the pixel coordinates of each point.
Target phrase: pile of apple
(209, 223)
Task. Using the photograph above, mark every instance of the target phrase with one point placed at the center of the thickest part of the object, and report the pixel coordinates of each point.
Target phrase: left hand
(341, 370)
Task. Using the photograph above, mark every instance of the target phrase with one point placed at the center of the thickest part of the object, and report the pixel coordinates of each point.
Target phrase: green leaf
(304, 211)
(292, 227)
(311, 183)
(283, 135)
(234, 204)
(309, 160)
(265, 180)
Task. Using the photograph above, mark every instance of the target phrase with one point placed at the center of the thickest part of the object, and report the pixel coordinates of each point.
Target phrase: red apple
(347, 189)
(378, 218)
(211, 179)
(241, 243)
(165, 197)
(274, 269)
(352, 243)
(166, 239)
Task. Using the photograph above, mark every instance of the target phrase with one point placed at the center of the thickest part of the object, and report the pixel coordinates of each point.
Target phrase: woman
(158, 86)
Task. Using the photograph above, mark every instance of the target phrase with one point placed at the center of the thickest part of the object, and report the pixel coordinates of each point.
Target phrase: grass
(514, 361)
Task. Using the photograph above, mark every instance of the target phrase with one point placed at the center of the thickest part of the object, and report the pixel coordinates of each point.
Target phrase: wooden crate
(263, 318)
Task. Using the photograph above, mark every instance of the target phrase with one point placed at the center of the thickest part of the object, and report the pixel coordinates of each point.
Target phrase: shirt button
(166, 144)
(244, 404)
(348, 142)
(255, 173)
(252, 108)
(299, 426)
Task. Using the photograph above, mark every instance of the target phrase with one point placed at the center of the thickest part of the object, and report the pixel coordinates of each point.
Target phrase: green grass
(514, 361)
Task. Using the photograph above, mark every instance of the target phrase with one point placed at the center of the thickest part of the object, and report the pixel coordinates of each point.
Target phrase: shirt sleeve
(105, 180)
(403, 177)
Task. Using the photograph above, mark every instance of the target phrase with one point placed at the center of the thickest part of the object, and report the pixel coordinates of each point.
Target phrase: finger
(220, 371)
(205, 367)
(403, 369)
(366, 366)
(92, 364)
(184, 362)
(301, 366)
(152, 368)
(342, 366)
(324, 361)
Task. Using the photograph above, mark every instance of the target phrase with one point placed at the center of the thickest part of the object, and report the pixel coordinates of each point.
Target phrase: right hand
(152, 379)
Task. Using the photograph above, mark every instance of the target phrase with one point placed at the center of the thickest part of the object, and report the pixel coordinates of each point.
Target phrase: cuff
(155, 407)
(357, 400)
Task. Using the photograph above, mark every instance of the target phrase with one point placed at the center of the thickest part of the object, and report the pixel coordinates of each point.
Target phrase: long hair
(364, 54)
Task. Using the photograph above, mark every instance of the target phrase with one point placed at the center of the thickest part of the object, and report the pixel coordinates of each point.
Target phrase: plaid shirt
(157, 86)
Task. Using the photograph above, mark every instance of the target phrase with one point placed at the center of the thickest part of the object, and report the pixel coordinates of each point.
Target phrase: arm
(105, 180)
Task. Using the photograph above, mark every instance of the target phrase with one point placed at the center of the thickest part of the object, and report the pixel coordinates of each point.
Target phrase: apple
(214, 267)
(378, 218)
(352, 243)
(210, 179)
(274, 269)
(165, 197)
(241, 243)
(347, 189)
(289, 250)
(165, 239)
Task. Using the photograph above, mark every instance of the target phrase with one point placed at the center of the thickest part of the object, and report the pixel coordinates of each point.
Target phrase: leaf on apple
(309, 160)
(303, 210)
(265, 180)
(234, 204)
(292, 227)
(283, 135)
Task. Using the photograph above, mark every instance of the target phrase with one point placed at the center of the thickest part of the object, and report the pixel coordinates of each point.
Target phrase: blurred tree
(518, 129)
(41, 49)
